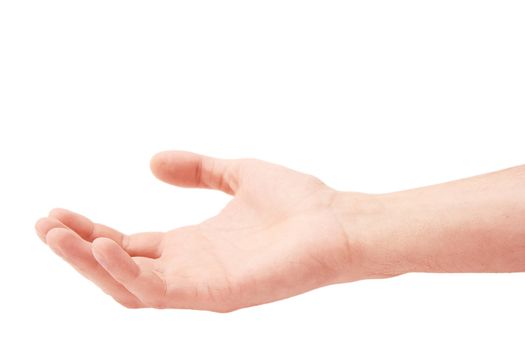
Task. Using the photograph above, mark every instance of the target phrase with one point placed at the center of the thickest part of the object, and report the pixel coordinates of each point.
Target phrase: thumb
(187, 169)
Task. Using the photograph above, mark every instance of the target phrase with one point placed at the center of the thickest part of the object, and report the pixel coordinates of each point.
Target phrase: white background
(370, 96)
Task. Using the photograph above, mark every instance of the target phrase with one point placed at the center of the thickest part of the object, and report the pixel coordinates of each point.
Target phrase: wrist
(373, 231)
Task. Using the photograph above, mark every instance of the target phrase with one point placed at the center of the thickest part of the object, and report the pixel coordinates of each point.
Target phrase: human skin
(284, 233)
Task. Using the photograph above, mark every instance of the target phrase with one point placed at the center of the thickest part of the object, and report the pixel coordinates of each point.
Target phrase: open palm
(277, 237)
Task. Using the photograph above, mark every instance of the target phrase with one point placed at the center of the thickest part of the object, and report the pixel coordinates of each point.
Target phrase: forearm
(471, 225)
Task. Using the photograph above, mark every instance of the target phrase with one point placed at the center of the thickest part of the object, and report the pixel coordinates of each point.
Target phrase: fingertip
(41, 228)
(163, 161)
(57, 234)
(178, 168)
(66, 216)
(44, 225)
(76, 222)
(101, 247)
(114, 259)
(98, 252)
(104, 242)
(39, 223)
(105, 249)
(63, 215)
(159, 156)
(56, 238)
(154, 163)
(57, 211)
(163, 156)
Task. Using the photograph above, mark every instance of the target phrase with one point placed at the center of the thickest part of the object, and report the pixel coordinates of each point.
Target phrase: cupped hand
(279, 236)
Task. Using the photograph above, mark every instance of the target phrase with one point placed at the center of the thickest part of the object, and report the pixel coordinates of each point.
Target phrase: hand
(279, 236)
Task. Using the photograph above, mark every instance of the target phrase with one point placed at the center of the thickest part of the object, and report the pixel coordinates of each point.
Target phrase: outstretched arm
(284, 233)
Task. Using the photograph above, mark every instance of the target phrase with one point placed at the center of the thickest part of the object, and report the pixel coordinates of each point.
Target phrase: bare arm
(471, 225)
